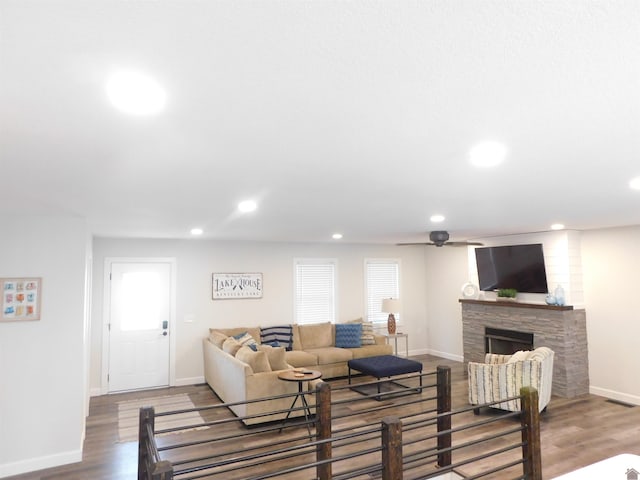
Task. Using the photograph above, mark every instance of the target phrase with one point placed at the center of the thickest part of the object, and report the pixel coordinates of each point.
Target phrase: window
(315, 290)
(382, 281)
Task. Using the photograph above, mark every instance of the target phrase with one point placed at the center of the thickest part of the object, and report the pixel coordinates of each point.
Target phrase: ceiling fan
(440, 238)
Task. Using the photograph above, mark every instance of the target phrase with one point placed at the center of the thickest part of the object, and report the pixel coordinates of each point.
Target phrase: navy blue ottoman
(384, 366)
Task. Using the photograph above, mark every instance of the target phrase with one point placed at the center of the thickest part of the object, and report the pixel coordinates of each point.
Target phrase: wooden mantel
(510, 303)
(561, 328)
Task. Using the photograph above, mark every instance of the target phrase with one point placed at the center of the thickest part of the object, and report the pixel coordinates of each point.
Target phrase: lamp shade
(390, 305)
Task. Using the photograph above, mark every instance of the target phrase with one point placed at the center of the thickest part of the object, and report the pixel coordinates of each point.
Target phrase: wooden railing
(421, 444)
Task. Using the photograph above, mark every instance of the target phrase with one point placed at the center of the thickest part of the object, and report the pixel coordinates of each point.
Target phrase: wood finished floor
(574, 432)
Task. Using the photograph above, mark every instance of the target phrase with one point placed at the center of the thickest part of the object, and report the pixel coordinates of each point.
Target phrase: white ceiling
(353, 116)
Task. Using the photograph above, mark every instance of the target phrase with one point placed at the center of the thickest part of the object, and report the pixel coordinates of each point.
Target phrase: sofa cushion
(371, 351)
(327, 355)
(316, 335)
(275, 355)
(216, 337)
(297, 345)
(282, 334)
(348, 335)
(231, 346)
(258, 361)
(300, 358)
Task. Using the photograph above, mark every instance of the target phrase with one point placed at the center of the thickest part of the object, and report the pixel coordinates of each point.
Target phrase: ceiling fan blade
(418, 243)
(464, 244)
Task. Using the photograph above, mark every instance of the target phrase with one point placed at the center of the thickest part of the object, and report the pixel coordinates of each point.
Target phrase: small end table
(395, 337)
(296, 376)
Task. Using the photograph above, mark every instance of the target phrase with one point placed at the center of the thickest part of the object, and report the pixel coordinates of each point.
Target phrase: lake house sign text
(237, 285)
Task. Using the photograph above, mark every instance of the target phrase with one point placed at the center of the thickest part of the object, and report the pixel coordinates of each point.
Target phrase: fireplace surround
(561, 328)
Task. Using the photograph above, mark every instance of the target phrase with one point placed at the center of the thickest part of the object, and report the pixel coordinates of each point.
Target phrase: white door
(139, 320)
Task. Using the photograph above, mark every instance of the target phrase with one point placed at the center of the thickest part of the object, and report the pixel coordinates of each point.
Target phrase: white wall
(42, 376)
(446, 270)
(198, 259)
(611, 263)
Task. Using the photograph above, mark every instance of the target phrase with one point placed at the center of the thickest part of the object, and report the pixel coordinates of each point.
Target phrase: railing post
(323, 430)
(444, 421)
(530, 418)
(391, 448)
(147, 417)
(163, 471)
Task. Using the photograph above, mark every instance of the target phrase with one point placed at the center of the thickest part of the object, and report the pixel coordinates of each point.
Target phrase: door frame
(106, 314)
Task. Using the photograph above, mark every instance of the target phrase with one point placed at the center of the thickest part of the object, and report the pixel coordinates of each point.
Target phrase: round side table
(296, 376)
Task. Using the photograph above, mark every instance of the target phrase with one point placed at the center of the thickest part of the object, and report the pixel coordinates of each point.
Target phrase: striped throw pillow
(246, 340)
(279, 335)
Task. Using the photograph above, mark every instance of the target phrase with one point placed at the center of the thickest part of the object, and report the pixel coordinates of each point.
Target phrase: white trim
(448, 356)
(39, 463)
(106, 314)
(188, 381)
(614, 395)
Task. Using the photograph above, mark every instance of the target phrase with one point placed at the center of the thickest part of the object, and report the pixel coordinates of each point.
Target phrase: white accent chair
(502, 376)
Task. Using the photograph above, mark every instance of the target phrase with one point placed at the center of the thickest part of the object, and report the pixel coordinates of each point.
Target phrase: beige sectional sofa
(239, 374)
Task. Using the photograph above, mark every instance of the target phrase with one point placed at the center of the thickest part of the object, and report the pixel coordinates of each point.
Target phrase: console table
(395, 337)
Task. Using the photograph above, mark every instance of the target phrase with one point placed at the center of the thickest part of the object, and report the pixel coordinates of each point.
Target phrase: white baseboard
(612, 394)
(39, 463)
(448, 356)
(183, 382)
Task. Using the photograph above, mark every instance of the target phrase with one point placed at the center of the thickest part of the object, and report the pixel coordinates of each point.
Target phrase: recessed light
(557, 226)
(437, 218)
(247, 206)
(634, 183)
(336, 236)
(197, 231)
(487, 154)
(135, 93)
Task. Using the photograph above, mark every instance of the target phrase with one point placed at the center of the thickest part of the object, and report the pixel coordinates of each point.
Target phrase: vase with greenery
(507, 294)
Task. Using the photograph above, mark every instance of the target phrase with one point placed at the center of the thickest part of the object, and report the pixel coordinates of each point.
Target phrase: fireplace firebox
(506, 342)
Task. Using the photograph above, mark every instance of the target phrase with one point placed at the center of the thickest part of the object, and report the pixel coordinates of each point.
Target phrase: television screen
(515, 266)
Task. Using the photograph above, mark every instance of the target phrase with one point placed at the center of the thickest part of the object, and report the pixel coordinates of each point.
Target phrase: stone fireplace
(561, 328)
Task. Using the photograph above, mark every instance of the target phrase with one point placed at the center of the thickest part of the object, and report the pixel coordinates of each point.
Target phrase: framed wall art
(20, 299)
(236, 285)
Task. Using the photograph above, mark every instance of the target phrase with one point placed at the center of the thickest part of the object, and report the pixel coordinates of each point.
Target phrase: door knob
(165, 333)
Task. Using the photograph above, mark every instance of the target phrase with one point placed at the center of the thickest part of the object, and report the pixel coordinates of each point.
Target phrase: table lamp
(391, 306)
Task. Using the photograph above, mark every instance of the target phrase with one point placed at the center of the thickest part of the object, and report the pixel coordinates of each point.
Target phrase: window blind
(315, 286)
(382, 277)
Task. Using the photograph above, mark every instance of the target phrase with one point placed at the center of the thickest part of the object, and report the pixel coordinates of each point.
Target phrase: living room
(56, 364)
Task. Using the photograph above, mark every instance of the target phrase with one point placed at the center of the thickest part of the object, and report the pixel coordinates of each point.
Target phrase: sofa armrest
(219, 367)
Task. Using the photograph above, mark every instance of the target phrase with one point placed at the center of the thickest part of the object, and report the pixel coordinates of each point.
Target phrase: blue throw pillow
(348, 335)
(282, 335)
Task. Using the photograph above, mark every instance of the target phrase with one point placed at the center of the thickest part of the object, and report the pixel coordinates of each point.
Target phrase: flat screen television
(514, 266)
